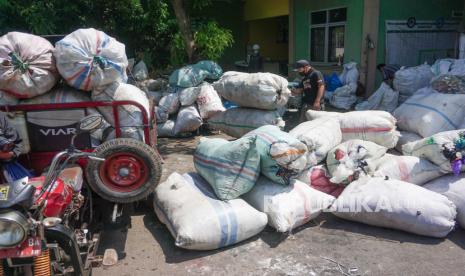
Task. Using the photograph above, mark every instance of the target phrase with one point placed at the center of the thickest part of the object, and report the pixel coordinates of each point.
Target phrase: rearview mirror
(90, 123)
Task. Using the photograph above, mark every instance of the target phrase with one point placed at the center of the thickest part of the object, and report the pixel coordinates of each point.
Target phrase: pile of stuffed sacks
(188, 100)
(342, 163)
(445, 76)
(86, 65)
(342, 89)
(196, 95)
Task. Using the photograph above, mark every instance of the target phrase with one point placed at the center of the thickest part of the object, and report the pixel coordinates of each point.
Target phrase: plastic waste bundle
(409, 80)
(344, 97)
(89, 59)
(287, 207)
(198, 220)
(410, 169)
(378, 202)
(257, 90)
(194, 75)
(281, 155)
(231, 168)
(320, 136)
(353, 159)
(428, 112)
(445, 149)
(238, 121)
(188, 91)
(449, 84)
(27, 66)
(130, 116)
(374, 126)
(384, 99)
(453, 187)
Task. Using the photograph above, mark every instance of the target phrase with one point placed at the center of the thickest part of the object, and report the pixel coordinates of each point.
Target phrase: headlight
(13, 228)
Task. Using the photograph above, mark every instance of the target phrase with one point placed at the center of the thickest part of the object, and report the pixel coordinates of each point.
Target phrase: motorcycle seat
(73, 176)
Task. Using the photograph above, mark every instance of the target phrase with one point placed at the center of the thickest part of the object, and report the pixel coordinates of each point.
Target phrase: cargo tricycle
(51, 225)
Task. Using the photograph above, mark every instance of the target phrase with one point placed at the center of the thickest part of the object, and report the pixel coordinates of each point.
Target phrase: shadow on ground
(174, 254)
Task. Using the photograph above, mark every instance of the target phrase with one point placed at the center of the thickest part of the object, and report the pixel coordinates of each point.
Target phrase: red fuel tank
(57, 197)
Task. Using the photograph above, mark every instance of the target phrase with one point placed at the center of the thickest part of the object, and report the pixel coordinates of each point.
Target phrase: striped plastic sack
(89, 59)
(27, 66)
(198, 220)
(287, 207)
(231, 168)
(375, 126)
(238, 121)
(428, 112)
(281, 155)
(410, 169)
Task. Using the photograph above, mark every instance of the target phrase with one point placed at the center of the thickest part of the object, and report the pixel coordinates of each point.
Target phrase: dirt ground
(326, 246)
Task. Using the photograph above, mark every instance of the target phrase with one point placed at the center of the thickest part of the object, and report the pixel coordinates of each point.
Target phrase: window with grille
(327, 32)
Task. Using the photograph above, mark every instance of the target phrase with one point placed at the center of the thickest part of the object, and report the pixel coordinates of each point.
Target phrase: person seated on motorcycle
(10, 149)
(10, 141)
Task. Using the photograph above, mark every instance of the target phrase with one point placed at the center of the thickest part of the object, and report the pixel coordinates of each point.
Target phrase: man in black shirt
(312, 87)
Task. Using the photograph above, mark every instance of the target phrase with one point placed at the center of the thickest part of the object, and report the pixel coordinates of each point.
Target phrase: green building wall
(354, 26)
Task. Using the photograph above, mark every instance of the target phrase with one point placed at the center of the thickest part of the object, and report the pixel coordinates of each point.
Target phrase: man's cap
(301, 64)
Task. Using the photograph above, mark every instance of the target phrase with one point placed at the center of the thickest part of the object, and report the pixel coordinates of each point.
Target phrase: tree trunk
(185, 27)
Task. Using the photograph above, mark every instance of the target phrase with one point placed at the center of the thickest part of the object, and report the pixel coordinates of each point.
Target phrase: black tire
(106, 188)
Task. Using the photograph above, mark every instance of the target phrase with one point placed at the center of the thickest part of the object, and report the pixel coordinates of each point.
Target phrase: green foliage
(142, 25)
(200, 4)
(178, 50)
(148, 27)
(210, 39)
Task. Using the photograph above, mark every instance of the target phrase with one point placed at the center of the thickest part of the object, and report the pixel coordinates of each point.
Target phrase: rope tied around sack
(100, 61)
(18, 63)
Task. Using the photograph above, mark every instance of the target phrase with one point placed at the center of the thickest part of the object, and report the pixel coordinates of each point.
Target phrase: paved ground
(327, 246)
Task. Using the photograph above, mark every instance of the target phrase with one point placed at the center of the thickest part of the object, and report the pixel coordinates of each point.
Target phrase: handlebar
(62, 158)
(95, 158)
